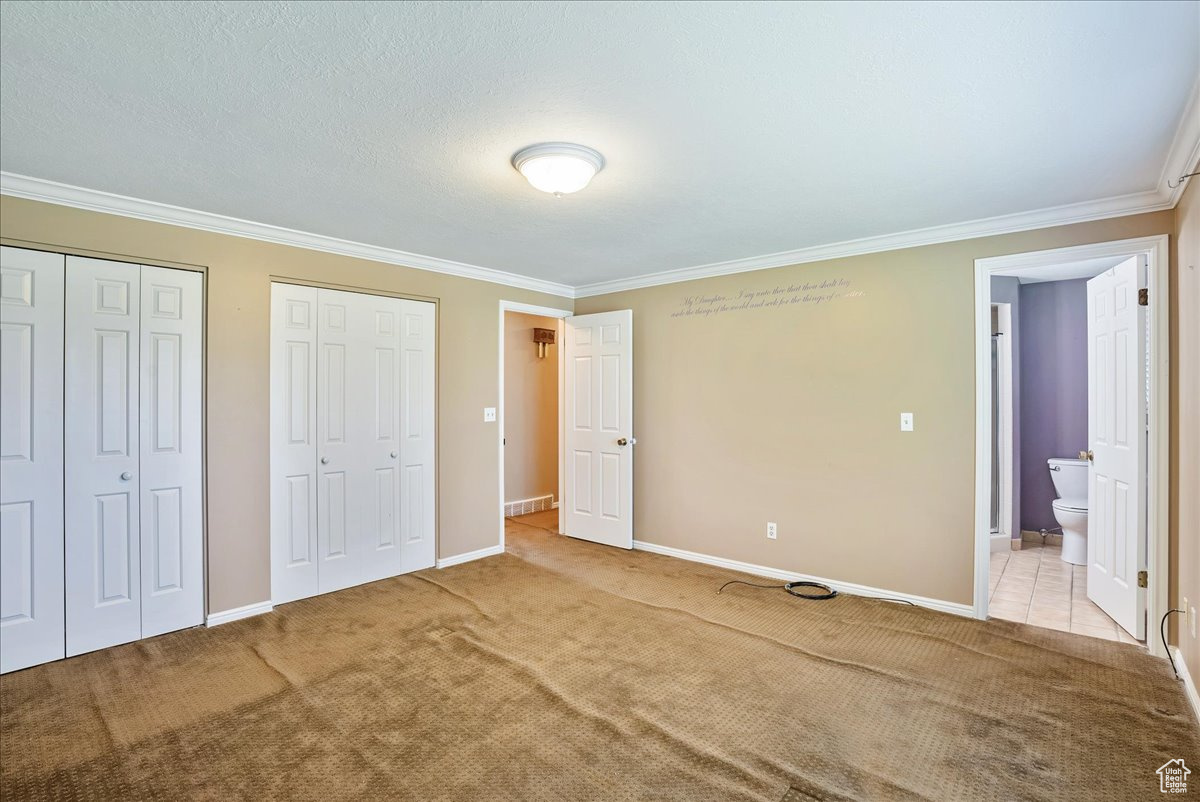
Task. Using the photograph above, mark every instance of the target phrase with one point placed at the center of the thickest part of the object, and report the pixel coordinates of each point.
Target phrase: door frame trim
(1157, 252)
(543, 311)
(1004, 358)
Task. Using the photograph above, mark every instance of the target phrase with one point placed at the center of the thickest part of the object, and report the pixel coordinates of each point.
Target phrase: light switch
(906, 421)
(489, 414)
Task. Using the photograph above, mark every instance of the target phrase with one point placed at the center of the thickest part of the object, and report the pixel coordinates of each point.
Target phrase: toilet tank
(1070, 477)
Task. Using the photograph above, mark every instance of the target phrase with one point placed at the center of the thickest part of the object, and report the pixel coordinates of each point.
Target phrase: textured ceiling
(730, 130)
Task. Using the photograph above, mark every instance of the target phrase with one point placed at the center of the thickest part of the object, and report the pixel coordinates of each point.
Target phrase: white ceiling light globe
(559, 168)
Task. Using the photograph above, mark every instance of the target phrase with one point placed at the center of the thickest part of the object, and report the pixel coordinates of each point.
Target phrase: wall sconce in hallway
(543, 337)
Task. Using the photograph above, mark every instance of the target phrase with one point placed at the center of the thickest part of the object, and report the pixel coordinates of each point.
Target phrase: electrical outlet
(772, 532)
(489, 414)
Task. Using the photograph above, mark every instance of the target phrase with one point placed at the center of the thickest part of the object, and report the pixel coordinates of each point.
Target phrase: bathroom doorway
(531, 374)
(1071, 527)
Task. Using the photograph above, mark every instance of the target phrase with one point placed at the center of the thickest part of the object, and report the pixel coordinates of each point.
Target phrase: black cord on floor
(1162, 633)
(751, 584)
(825, 593)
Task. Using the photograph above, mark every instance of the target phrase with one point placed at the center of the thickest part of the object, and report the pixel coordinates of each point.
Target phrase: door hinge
(1144, 297)
(1143, 579)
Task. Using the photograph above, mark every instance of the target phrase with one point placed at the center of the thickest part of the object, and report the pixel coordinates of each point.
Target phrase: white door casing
(599, 436)
(352, 443)
(102, 544)
(293, 442)
(32, 628)
(1117, 418)
(418, 436)
(171, 466)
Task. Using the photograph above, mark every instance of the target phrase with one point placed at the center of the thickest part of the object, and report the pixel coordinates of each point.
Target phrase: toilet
(1070, 477)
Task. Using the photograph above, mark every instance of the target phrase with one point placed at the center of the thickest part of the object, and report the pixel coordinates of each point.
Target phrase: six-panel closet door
(352, 440)
(31, 458)
(133, 479)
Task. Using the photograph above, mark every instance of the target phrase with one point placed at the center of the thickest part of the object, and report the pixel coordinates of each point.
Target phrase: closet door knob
(324, 460)
(393, 455)
(125, 477)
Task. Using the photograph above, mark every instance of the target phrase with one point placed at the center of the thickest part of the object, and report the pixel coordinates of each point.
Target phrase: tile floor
(1034, 586)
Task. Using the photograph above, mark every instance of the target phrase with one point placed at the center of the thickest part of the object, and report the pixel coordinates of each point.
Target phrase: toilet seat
(1071, 504)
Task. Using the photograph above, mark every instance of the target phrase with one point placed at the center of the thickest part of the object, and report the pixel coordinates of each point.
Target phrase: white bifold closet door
(133, 512)
(352, 439)
(31, 458)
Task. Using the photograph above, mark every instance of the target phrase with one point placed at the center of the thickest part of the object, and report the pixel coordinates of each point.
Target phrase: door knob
(1087, 455)
(125, 477)
(393, 455)
(324, 460)
(627, 441)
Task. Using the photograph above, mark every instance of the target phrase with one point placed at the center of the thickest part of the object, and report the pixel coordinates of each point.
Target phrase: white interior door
(418, 437)
(599, 432)
(293, 442)
(378, 473)
(1117, 436)
(341, 432)
(170, 464)
(353, 479)
(32, 628)
(103, 544)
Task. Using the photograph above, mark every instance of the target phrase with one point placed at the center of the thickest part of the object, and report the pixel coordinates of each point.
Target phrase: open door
(1117, 437)
(598, 447)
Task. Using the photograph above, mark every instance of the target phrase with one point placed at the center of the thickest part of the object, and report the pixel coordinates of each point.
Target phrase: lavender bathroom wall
(1053, 392)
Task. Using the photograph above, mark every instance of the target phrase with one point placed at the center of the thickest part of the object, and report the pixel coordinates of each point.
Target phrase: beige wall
(530, 410)
(790, 412)
(239, 272)
(779, 412)
(1185, 419)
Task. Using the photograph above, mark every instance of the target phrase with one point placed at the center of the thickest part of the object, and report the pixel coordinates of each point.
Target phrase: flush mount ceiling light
(559, 168)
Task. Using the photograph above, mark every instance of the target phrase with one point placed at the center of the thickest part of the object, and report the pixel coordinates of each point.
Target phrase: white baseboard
(237, 613)
(479, 554)
(1189, 686)
(1001, 542)
(788, 576)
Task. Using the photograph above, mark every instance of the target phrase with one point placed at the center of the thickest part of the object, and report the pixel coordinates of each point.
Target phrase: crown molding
(1119, 206)
(1185, 149)
(38, 189)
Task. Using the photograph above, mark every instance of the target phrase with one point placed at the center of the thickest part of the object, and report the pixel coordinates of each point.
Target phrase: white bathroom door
(293, 442)
(599, 433)
(101, 432)
(32, 628)
(170, 465)
(1117, 439)
(418, 437)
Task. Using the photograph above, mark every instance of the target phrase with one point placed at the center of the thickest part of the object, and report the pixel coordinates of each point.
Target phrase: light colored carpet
(565, 670)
